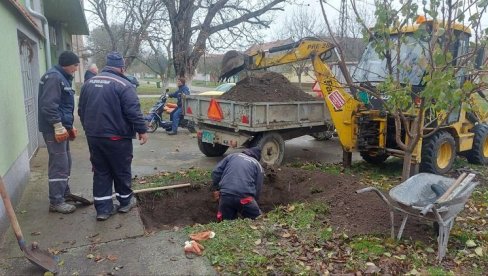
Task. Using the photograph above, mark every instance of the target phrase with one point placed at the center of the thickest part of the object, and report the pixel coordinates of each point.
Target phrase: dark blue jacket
(109, 106)
(178, 93)
(56, 100)
(240, 175)
(88, 75)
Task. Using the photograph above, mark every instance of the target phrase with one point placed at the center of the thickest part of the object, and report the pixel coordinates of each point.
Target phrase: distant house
(34, 33)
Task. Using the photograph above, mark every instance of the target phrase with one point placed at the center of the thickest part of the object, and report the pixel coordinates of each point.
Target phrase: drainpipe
(45, 26)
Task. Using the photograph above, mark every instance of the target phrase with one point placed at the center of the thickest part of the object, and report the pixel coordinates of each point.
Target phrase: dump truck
(364, 126)
(224, 123)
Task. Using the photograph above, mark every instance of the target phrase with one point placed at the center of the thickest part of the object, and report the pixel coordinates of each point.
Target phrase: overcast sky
(332, 9)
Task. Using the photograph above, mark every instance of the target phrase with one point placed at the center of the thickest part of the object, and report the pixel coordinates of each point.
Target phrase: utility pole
(343, 18)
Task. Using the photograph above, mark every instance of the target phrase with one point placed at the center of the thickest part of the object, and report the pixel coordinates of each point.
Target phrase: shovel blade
(42, 258)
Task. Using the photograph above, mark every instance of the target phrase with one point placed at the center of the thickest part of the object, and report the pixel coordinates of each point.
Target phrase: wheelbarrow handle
(426, 209)
(378, 192)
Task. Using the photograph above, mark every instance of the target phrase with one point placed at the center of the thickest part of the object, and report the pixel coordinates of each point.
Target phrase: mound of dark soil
(351, 212)
(266, 87)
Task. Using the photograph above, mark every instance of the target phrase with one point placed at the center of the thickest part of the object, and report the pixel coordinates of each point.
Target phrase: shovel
(39, 257)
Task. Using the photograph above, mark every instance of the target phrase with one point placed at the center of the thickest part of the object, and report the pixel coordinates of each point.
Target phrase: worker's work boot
(128, 207)
(63, 208)
(102, 217)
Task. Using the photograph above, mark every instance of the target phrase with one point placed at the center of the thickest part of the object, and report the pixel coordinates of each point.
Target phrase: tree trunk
(407, 165)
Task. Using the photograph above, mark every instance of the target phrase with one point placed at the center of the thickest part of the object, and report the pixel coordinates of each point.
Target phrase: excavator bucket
(232, 63)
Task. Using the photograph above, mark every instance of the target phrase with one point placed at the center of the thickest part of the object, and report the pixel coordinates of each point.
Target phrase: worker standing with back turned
(111, 115)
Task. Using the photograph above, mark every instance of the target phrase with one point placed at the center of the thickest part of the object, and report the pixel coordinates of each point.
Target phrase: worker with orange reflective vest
(239, 178)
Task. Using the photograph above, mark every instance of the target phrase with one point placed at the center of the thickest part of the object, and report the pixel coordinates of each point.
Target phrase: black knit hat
(68, 58)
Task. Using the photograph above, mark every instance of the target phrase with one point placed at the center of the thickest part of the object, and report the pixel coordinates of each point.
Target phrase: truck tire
(374, 159)
(438, 153)
(152, 126)
(479, 152)
(272, 148)
(191, 127)
(323, 135)
(212, 150)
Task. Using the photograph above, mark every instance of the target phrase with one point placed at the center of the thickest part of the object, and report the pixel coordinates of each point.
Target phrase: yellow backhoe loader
(361, 123)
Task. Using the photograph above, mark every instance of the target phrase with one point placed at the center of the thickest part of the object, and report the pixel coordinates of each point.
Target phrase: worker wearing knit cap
(56, 105)
(114, 59)
(111, 116)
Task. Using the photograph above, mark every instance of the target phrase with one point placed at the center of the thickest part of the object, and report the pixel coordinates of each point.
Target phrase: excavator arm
(342, 105)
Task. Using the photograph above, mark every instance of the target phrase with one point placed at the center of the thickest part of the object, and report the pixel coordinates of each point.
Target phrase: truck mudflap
(222, 137)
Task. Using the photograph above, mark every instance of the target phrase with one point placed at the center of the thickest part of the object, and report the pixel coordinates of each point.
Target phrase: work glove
(193, 247)
(60, 132)
(73, 133)
(202, 236)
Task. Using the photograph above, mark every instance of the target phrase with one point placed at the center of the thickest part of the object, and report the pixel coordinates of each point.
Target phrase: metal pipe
(45, 25)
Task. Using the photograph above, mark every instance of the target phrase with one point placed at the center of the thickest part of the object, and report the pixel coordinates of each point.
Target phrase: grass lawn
(146, 104)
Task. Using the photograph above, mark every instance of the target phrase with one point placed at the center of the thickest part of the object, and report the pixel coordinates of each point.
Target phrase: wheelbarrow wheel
(438, 153)
(479, 152)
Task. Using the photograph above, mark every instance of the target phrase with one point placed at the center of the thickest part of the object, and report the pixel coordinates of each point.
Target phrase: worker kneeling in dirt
(238, 178)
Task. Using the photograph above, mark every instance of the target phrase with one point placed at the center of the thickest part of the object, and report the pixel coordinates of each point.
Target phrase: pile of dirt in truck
(266, 87)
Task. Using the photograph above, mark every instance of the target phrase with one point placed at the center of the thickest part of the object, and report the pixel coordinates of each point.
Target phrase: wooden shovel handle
(161, 188)
(11, 214)
(446, 194)
(452, 187)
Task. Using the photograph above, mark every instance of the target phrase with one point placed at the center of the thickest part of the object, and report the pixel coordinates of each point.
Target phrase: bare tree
(126, 23)
(210, 66)
(194, 22)
(350, 25)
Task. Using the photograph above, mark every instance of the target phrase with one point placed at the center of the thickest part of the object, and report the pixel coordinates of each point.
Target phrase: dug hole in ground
(353, 213)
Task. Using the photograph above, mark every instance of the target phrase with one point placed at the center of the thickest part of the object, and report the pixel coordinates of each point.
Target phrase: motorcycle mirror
(167, 89)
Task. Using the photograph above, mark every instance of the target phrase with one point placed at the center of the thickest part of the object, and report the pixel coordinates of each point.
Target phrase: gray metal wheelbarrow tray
(415, 197)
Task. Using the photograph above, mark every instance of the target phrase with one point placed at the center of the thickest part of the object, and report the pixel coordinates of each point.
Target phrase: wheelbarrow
(419, 196)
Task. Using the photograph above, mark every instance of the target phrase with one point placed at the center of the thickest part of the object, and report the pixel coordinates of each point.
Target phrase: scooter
(155, 116)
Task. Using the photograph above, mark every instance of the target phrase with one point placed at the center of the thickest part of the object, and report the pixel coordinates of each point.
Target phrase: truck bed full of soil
(266, 87)
(353, 213)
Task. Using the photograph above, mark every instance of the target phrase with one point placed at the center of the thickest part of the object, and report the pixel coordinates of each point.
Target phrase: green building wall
(13, 126)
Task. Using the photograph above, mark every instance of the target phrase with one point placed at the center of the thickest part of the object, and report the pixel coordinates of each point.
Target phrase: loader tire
(438, 153)
(211, 150)
(374, 159)
(272, 148)
(479, 152)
